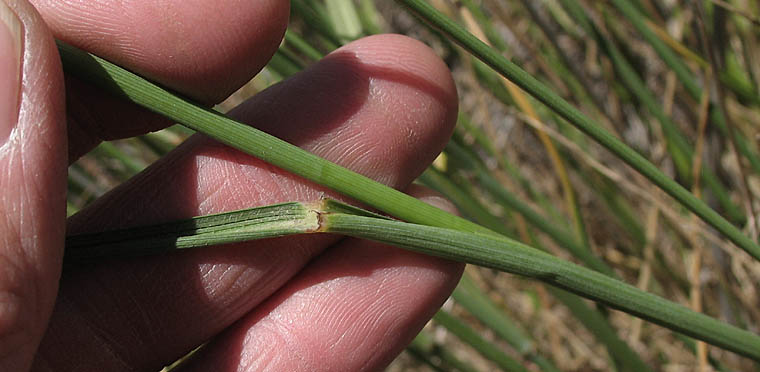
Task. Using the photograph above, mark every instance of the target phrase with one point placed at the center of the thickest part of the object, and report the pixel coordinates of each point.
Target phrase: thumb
(32, 180)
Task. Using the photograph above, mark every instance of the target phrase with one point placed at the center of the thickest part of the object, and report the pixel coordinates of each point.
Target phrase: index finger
(204, 50)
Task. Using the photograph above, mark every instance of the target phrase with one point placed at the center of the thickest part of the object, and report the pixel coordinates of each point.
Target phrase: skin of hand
(383, 106)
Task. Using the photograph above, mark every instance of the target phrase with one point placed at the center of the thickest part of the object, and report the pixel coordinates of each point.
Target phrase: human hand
(382, 106)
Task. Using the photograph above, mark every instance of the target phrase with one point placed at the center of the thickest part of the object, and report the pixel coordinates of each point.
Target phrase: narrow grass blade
(284, 63)
(424, 348)
(595, 322)
(463, 200)
(157, 143)
(483, 346)
(582, 82)
(483, 26)
(639, 22)
(344, 18)
(718, 116)
(510, 256)
(563, 237)
(481, 138)
(469, 296)
(132, 165)
(301, 45)
(316, 21)
(368, 15)
(71, 209)
(600, 327)
(254, 142)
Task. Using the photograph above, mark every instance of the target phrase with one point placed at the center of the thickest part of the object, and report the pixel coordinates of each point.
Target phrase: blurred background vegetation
(676, 80)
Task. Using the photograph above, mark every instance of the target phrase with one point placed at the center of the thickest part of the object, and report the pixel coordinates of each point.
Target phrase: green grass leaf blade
(564, 238)
(132, 165)
(483, 346)
(317, 21)
(591, 318)
(600, 327)
(679, 68)
(344, 18)
(254, 142)
(470, 297)
(301, 45)
(513, 257)
(463, 200)
(424, 348)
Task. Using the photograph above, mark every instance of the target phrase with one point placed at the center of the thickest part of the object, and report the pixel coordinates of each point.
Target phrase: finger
(200, 48)
(32, 181)
(184, 299)
(205, 50)
(354, 309)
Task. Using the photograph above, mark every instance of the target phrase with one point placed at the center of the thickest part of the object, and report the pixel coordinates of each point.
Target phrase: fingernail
(10, 70)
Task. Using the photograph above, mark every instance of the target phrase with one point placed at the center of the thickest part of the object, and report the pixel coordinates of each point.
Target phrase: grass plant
(574, 219)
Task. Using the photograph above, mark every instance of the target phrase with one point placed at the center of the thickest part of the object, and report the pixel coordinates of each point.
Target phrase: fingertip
(213, 61)
(412, 89)
(405, 58)
(383, 106)
(354, 308)
(205, 50)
